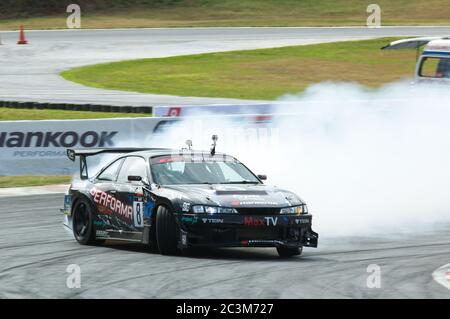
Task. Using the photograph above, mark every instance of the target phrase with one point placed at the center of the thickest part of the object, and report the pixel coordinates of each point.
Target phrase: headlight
(294, 210)
(200, 209)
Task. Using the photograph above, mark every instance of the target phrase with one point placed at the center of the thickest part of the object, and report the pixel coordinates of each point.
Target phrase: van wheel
(166, 232)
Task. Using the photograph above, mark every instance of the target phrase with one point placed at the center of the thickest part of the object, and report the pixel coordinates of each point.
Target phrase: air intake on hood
(259, 211)
(241, 192)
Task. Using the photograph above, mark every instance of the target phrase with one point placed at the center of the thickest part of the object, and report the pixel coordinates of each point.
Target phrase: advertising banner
(215, 109)
(39, 147)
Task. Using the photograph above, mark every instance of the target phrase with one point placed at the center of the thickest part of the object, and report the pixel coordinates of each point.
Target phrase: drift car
(174, 199)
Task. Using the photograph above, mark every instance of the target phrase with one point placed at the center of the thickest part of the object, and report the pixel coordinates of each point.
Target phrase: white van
(433, 65)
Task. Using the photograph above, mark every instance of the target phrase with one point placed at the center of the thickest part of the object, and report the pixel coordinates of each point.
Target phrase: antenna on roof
(189, 144)
(213, 146)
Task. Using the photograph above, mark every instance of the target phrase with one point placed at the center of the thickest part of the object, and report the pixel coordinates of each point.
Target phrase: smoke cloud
(365, 161)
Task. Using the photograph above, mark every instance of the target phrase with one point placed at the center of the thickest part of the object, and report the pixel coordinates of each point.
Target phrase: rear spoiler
(411, 43)
(72, 154)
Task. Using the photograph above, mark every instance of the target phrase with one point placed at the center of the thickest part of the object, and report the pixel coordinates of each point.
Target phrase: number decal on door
(138, 210)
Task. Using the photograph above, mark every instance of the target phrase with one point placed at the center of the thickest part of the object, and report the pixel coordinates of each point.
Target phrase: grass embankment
(206, 13)
(22, 181)
(10, 114)
(254, 74)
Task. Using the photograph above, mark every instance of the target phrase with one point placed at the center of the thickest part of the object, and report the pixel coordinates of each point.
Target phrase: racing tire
(166, 232)
(82, 223)
(287, 252)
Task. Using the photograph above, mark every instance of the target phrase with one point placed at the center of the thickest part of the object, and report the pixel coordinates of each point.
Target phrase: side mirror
(262, 177)
(133, 178)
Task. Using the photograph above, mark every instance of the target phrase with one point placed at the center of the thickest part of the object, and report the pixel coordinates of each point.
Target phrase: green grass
(207, 13)
(254, 74)
(9, 114)
(22, 181)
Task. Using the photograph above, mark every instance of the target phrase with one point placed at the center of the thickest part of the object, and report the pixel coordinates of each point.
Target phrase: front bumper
(246, 230)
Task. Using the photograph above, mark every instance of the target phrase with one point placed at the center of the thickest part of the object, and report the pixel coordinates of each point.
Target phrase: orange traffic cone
(22, 39)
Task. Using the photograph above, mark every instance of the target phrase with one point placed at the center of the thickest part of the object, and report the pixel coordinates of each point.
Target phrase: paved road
(35, 251)
(30, 72)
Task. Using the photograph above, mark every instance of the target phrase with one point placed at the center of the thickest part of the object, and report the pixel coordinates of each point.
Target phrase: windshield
(170, 171)
(435, 68)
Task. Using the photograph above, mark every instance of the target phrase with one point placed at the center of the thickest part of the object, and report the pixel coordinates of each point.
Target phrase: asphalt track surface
(30, 72)
(35, 251)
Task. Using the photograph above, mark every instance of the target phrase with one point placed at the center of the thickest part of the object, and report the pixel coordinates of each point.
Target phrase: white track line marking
(442, 276)
(387, 27)
(34, 190)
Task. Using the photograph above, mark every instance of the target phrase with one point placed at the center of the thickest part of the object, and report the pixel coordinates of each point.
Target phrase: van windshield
(435, 68)
(172, 171)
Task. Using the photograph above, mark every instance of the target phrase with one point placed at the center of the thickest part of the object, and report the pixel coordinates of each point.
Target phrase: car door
(132, 191)
(103, 192)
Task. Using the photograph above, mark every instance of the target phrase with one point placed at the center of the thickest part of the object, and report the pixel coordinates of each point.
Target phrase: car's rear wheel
(166, 232)
(82, 223)
(287, 252)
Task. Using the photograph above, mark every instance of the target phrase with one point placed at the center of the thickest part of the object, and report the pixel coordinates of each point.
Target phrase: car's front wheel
(82, 223)
(287, 252)
(166, 232)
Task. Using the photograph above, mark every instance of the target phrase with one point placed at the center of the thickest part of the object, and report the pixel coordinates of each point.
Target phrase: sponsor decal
(99, 223)
(301, 221)
(101, 233)
(109, 204)
(271, 221)
(254, 222)
(174, 111)
(212, 221)
(189, 219)
(26, 154)
(56, 139)
(254, 203)
(241, 197)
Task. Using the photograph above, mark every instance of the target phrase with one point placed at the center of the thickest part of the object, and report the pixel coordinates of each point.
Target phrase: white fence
(217, 109)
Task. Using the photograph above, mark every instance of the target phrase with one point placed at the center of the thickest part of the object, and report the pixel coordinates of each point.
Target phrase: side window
(133, 166)
(110, 173)
(429, 67)
(435, 68)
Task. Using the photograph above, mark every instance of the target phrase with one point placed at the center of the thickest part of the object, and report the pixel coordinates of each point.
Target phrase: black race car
(175, 199)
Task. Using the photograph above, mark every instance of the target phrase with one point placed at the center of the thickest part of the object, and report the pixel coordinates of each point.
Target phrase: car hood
(237, 195)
